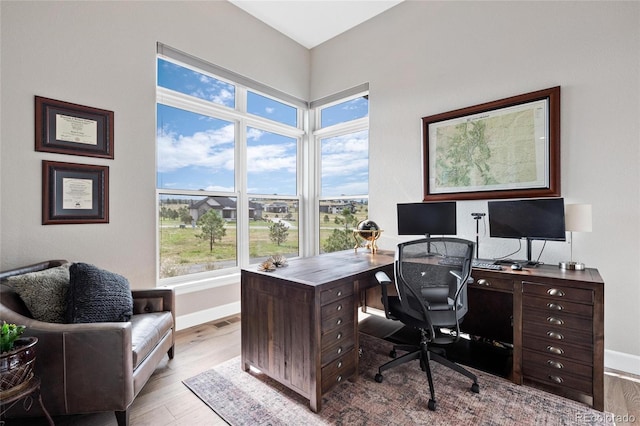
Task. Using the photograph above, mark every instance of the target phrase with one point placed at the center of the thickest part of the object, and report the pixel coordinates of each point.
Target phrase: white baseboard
(622, 361)
(212, 314)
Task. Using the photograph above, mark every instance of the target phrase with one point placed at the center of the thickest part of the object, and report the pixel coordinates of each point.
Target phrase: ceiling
(312, 22)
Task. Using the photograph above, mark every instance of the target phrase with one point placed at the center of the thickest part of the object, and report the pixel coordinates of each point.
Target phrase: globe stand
(370, 236)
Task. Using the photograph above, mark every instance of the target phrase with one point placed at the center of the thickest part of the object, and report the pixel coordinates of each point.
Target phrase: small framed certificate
(74, 193)
(66, 128)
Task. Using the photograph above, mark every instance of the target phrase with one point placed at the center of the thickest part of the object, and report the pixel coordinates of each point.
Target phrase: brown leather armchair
(95, 367)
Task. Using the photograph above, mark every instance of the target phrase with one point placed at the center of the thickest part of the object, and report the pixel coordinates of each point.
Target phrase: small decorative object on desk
(369, 231)
(267, 266)
(278, 260)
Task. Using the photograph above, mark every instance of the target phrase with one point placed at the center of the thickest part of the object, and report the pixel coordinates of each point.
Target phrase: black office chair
(431, 276)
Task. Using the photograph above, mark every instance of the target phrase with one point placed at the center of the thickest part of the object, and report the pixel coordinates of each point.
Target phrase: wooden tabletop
(329, 267)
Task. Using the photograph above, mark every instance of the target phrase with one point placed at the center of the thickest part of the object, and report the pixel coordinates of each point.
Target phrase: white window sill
(201, 284)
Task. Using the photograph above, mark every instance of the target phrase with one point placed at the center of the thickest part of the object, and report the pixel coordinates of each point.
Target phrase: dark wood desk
(557, 326)
(299, 323)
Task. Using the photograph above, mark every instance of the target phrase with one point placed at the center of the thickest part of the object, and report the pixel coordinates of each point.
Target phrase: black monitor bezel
(445, 210)
(524, 208)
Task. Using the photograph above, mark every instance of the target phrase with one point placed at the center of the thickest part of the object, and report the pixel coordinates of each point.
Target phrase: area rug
(251, 398)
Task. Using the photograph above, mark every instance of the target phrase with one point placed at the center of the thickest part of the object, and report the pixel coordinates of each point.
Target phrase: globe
(365, 227)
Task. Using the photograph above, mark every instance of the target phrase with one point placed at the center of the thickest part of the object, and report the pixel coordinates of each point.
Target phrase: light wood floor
(166, 401)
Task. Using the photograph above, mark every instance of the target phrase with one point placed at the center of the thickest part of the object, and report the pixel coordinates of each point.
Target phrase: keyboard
(485, 265)
(475, 263)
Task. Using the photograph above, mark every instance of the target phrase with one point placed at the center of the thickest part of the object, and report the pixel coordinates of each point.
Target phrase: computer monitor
(530, 219)
(435, 218)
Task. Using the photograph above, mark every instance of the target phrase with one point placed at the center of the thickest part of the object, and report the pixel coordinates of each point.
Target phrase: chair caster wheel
(475, 388)
(379, 378)
(393, 353)
(432, 405)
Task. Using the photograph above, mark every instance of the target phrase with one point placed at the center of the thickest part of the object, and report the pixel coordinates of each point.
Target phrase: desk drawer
(559, 349)
(557, 378)
(337, 349)
(552, 333)
(342, 334)
(338, 370)
(335, 293)
(558, 292)
(334, 321)
(558, 306)
(342, 307)
(557, 319)
(551, 365)
(483, 281)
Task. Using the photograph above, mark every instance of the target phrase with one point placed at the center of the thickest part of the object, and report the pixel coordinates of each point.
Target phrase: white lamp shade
(577, 217)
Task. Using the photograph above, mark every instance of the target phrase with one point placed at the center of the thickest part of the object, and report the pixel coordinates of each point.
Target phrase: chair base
(425, 355)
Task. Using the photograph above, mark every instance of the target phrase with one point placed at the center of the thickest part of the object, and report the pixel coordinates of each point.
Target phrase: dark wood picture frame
(67, 128)
(450, 146)
(74, 193)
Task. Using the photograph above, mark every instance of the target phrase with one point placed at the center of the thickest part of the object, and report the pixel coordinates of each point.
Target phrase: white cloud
(345, 155)
(212, 149)
(271, 158)
(220, 188)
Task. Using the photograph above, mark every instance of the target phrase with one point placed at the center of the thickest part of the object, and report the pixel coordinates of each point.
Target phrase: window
(343, 146)
(228, 175)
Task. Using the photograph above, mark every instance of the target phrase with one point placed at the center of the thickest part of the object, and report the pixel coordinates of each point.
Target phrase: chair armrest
(156, 300)
(384, 280)
(153, 300)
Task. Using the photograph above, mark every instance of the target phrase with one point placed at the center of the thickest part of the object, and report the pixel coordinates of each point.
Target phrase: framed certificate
(74, 193)
(66, 128)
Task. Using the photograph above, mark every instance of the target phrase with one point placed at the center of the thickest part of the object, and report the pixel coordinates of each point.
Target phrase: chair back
(431, 279)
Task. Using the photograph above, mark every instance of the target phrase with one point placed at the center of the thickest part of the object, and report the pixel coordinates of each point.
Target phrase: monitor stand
(530, 263)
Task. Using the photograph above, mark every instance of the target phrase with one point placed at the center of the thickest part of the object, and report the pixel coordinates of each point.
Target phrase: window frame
(241, 120)
(334, 130)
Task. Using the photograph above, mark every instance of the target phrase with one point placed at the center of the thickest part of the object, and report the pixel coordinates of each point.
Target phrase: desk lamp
(577, 217)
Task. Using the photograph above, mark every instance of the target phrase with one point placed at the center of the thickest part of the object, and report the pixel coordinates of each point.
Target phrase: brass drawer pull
(556, 379)
(484, 282)
(555, 364)
(339, 321)
(339, 336)
(339, 307)
(556, 321)
(555, 350)
(555, 335)
(555, 306)
(339, 350)
(555, 292)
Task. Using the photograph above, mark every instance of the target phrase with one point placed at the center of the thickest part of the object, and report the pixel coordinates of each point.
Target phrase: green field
(182, 252)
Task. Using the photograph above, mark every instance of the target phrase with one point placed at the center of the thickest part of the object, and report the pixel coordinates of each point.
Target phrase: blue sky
(197, 152)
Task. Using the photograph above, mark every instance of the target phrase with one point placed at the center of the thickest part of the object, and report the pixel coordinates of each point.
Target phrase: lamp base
(571, 266)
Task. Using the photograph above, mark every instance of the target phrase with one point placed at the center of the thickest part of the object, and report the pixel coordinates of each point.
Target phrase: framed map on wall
(508, 148)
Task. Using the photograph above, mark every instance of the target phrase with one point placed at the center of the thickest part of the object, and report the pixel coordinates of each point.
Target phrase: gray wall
(423, 58)
(420, 58)
(103, 54)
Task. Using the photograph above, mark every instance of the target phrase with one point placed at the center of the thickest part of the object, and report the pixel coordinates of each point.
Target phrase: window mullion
(241, 180)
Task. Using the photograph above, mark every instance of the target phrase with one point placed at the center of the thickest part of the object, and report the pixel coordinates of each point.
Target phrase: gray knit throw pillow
(44, 292)
(96, 295)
